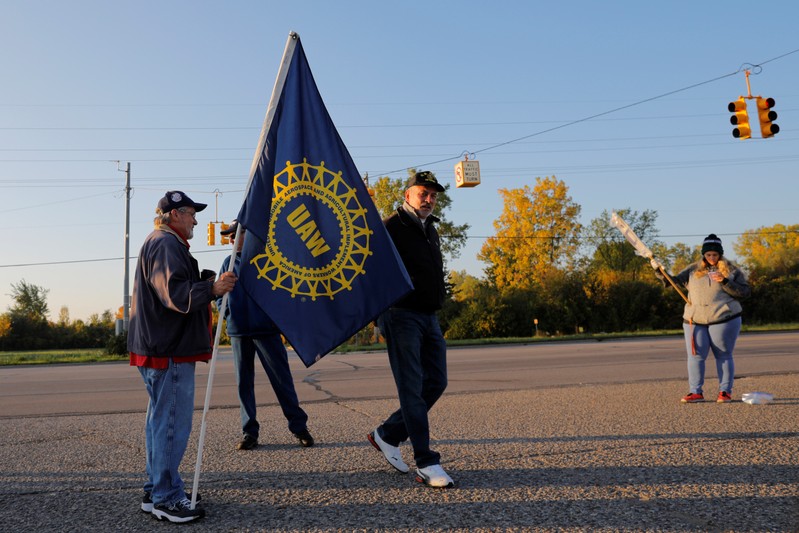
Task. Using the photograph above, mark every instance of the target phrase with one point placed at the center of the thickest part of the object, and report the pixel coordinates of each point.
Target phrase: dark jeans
(417, 352)
(274, 359)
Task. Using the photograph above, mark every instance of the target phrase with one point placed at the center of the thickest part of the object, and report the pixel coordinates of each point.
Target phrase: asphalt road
(117, 387)
(586, 436)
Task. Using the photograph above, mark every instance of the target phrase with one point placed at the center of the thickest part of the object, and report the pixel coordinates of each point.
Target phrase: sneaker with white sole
(179, 512)
(434, 476)
(391, 453)
(147, 501)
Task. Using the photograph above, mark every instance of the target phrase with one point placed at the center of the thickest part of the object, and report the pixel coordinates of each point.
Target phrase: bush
(117, 345)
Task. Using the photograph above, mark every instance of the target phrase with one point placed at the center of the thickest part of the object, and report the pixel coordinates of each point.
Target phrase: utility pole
(126, 299)
(126, 288)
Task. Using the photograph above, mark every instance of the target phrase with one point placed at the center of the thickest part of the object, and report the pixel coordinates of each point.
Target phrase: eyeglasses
(184, 210)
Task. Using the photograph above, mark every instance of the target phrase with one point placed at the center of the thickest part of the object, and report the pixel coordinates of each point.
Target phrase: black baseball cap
(425, 179)
(231, 230)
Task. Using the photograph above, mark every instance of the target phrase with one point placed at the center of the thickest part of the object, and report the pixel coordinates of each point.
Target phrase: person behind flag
(252, 332)
(712, 316)
(417, 350)
(170, 330)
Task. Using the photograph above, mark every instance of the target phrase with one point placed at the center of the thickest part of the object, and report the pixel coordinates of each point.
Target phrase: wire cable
(614, 110)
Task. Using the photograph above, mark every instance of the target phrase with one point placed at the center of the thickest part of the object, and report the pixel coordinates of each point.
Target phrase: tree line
(545, 274)
(548, 274)
(25, 326)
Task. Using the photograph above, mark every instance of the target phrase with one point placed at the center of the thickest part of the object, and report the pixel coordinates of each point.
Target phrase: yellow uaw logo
(297, 187)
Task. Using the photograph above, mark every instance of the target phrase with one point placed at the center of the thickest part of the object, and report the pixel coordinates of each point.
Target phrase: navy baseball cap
(177, 199)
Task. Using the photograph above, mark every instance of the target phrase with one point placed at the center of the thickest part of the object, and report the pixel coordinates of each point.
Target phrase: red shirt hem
(163, 362)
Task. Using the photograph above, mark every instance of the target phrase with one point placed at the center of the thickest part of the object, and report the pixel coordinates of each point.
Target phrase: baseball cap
(231, 230)
(176, 199)
(425, 179)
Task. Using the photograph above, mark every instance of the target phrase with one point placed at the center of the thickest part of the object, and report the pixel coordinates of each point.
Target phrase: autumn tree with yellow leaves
(771, 251)
(536, 234)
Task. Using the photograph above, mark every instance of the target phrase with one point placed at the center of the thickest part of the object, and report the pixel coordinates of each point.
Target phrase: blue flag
(316, 258)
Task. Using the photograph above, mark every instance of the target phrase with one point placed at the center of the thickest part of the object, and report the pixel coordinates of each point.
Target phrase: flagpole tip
(294, 35)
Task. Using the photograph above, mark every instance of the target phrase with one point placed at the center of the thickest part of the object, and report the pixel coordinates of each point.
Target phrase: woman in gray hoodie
(712, 316)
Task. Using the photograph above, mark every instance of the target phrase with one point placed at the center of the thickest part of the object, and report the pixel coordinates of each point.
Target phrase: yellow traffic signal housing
(740, 119)
(223, 239)
(766, 116)
(211, 234)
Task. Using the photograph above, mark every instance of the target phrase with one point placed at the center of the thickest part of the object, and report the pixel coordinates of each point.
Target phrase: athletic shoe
(247, 443)
(178, 512)
(724, 397)
(434, 476)
(305, 438)
(391, 453)
(147, 501)
(692, 398)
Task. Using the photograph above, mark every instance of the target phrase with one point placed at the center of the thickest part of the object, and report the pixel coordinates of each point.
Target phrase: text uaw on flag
(316, 255)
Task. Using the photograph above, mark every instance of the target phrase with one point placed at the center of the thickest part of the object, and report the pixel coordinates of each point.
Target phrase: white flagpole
(288, 53)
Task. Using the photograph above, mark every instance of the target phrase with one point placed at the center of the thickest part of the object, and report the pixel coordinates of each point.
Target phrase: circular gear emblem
(318, 239)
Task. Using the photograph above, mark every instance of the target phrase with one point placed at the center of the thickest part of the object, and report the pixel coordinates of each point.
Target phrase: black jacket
(420, 251)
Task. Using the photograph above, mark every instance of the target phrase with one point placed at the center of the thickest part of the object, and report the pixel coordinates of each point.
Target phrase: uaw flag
(316, 258)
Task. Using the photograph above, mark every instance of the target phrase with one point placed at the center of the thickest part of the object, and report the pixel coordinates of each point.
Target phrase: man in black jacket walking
(417, 350)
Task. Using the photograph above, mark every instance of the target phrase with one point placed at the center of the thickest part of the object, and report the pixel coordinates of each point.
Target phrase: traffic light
(765, 115)
(211, 234)
(223, 239)
(740, 118)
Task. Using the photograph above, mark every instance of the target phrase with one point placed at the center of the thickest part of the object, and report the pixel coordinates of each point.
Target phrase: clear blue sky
(179, 89)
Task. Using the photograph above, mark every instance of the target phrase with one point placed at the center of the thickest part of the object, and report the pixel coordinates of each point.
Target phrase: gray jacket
(711, 302)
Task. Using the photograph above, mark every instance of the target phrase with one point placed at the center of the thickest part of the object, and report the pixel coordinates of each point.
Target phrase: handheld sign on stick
(640, 248)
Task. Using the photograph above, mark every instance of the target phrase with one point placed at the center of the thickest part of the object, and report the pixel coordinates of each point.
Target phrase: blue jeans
(275, 360)
(720, 338)
(417, 353)
(167, 428)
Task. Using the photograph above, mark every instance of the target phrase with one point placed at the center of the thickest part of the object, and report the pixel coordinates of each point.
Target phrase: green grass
(348, 348)
(45, 357)
(99, 355)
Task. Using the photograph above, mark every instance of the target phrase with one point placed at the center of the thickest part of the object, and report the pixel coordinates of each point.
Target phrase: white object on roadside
(757, 398)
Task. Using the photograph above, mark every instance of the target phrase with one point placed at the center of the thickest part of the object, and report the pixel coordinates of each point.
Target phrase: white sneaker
(391, 453)
(434, 476)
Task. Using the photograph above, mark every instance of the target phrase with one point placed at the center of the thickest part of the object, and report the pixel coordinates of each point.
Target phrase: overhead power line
(603, 113)
(520, 237)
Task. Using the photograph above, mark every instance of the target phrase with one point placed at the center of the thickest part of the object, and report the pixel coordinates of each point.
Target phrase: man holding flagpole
(417, 350)
(170, 330)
